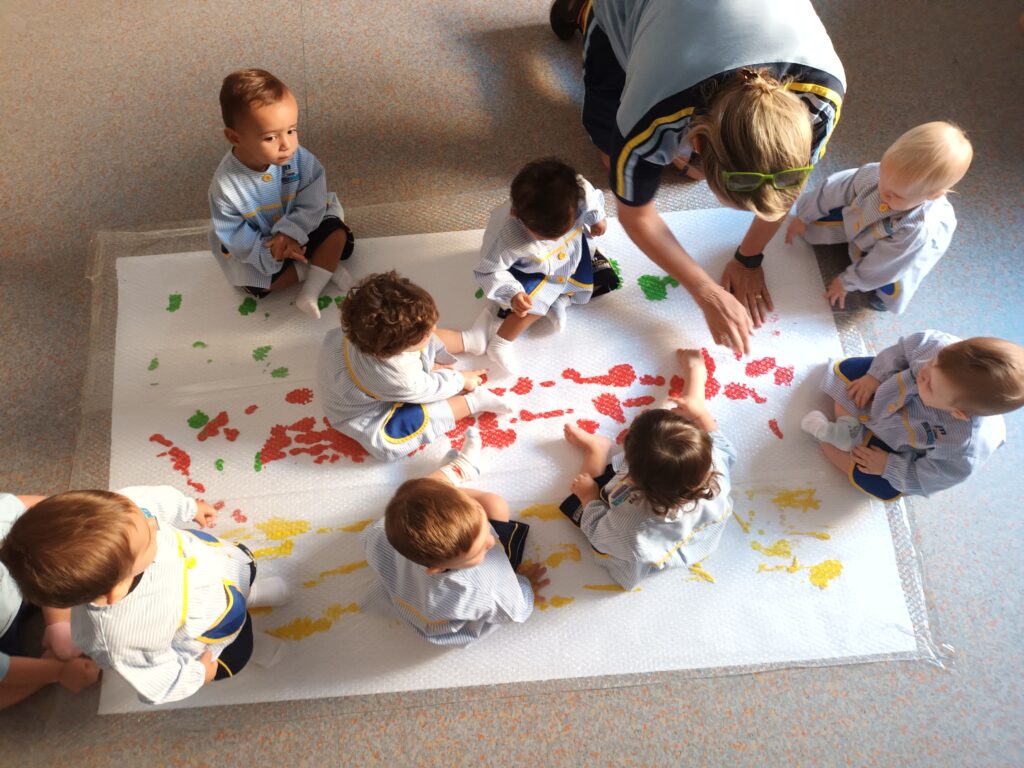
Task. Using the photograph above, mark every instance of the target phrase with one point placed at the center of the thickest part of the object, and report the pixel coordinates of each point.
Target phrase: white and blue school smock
(891, 252)
(390, 406)
(631, 541)
(249, 207)
(512, 261)
(11, 508)
(455, 607)
(189, 600)
(930, 449)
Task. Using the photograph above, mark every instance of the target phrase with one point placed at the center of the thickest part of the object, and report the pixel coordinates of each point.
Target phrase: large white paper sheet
(212, 394)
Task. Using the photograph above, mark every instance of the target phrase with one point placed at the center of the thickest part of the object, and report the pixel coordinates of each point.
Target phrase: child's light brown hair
(431, 522)
(245, 87)
(988, 374)
(71, 548)
(930, 158)
(753, 124)
(670, 460)
(545, 195)
(385, 313)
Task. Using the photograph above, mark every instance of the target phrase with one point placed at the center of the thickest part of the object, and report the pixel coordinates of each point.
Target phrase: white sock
(481, 400)
(464, 467)
(502, 352)
(844, 433)
(342, 278)
(474, 339)
(268, 591)
(301, 269)
(556, 313)
(267, 650)
(316, 281)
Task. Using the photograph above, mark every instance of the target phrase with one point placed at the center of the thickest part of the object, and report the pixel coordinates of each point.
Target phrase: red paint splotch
(522, 387)
(303, 437)
(621, 375)
(652, 381)
(238, 517)
(491, 436)
(638, 402)
(675, 386)
(302, 396)
(776, 333)
(250, 410)
(609, 405)
(587, 425)
(213, 427)
(231, 434)
(499, 391)
(712, 386)
(547, 383)
(738, 356)
(218, 505)
(458, 434)
(760, 367)
(180, 460)
(621, 437)
(784, 376)
(736, 391)
(530, 416)
(773, 425)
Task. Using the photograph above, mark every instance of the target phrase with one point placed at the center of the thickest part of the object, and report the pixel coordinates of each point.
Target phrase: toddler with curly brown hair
(386, 376)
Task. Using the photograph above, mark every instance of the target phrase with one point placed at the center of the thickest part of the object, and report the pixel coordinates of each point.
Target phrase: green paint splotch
(198, 419)
(248, 306)
(338, 300)
(656, 288)
(617, 270)
(219, 465)
(279, 373)
(479, 293)
(257, 463)
(323, 302)
(260, 353)
(198, 345)
(174, 302)
(153, 364)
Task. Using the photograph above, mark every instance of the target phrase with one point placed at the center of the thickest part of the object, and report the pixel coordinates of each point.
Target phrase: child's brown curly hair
(385, 313)
(670, 460)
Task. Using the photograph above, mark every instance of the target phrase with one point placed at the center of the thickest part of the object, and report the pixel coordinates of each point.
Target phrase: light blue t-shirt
(11, 509)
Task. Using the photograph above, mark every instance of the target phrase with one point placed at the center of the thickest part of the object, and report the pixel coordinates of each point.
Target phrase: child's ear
(937, 195)
(512, 213)
(695, 142)
(433, 569)
(958, 414)
(232, 136)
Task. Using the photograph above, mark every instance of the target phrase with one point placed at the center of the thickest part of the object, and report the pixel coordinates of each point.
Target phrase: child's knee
(495, 507)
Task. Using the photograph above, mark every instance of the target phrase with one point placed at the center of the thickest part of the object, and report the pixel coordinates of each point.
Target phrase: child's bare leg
(495, 507)
(513, 325)
(595, 448)
(841, 460)
(329, 253)
(287, 276)
(459, 406)
(605, 161)
(322, 265)
(452, 340)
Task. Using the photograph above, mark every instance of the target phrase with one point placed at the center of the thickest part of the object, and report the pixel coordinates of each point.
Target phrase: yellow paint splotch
(543, 512)
(744, 524)
(781, 548)
(278, 528)
(341, 569)
(815, 534)
(698, 571)
(798, 498)
(556, 602)
(232, 534)
(263, 610)
(357, 526)
(793, 567)
(324, 530)
(563, 553)
(609, 588)
(824, 572)
(284, 549)
(302, 628)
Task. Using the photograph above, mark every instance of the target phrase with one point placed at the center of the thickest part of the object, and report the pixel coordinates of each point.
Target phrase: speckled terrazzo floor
(110, 114)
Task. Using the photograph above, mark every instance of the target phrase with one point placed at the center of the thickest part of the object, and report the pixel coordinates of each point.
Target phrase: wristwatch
(750, 262)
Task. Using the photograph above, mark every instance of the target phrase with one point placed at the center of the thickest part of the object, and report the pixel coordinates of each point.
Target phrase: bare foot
(583, 440)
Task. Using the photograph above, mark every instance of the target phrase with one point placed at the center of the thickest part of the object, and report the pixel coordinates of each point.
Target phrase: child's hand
(690, 359)
(836, 294)
(585, 488)
(473, 379)
(600, 228)
(210, 664)
(521, 304)
(796, 229)
(537, 574)
(205, 514)
(862, 390)
(870, 460)
(77, 674)
(688, 408)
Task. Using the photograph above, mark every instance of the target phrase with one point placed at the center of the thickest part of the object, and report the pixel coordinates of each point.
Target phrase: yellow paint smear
(278, 528)
(609, 588)
(542, 511)
(697, 570)
(232, 533)
(791, 568)
(564, 552)
(284, 549)
(816, 534)
(356, 527)
(824, 572)
(341, 569)
(799, 498)
(324, 530)
(263, 610)
(780, 548)
(556, 602)
(744, 524)
(304, 627)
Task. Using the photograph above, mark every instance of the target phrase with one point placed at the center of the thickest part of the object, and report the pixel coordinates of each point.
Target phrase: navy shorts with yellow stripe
(875, 485)
(573, 509)
(512, 535)
(405, 421)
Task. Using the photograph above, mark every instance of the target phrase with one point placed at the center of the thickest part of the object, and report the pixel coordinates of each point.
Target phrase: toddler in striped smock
(165, 607)
(920, 416)
(386, 376)
(274, 222)
(894, 215)
(663, 502)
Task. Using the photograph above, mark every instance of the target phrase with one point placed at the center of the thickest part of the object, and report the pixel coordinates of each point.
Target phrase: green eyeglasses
(748, 181)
